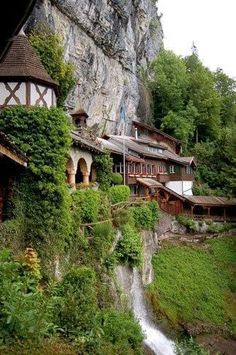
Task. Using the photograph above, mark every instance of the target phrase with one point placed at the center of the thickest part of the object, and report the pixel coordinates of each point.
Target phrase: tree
(182, 124)
(168, 84)
(226, 88)
(205, 98)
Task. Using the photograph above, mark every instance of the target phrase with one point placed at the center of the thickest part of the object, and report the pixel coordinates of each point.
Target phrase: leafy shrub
(188, 346)
(187, 222)
(146, 215)
(129, 247)
(24, 310)
(103, 164)
(119, 193)
(76, 308)
(51, 52)
(102, 239)
(121, 329)
(86, 205)
(116, 178)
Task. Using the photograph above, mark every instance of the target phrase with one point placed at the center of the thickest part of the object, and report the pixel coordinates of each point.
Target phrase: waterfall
(131, 284)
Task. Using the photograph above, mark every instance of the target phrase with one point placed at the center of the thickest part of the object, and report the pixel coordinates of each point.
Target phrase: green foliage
(87, 204)
(103, 164)
(146, 215)
(202, 93)
(24, 312)
(102, 240)
(188, 346)
(129, 247)
(76, 305)
(168, 85)
(50, 50)
(225, 87)
(41, 197)
(187, 222)
(117, 178)
(198, 107)
(119, 193)
(121, 330)
(187, 287)
(12, 235)
(220, 173)
(181, 124)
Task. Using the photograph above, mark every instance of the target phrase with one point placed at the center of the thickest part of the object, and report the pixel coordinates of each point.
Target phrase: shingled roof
(21, 61)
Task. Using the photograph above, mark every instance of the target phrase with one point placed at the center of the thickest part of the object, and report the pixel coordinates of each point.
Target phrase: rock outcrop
(109, 41)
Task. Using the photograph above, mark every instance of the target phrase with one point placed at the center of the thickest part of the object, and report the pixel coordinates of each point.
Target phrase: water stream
(154, 338)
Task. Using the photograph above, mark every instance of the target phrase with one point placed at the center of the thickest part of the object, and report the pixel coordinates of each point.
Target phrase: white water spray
(154, 338)
(131, 284)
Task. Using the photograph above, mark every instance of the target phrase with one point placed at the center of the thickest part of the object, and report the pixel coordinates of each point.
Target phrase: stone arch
(82, 172)
(93, 173)
(70, 172)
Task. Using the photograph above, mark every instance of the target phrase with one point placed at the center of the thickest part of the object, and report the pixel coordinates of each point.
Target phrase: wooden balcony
(163, 177)
(181, 176)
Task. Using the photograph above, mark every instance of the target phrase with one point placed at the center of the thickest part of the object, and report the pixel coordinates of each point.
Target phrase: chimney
(136, 133)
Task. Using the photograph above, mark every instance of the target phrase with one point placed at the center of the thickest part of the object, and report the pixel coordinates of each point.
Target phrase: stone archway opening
(70, 173)
(82, 173)
(93, 173)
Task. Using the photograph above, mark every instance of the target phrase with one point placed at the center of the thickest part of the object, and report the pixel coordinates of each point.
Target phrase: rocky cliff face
(108, 40)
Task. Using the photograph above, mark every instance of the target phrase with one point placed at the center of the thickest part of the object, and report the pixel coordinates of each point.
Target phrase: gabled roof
(116, 149)
(131, 145)
(154, 129)
(149, 143)
(151, 183)
(22, 62)
(211, 201)
(85, 142)
(180, 160)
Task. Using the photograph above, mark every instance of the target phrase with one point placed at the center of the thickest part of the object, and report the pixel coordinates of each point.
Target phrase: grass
(196, 284)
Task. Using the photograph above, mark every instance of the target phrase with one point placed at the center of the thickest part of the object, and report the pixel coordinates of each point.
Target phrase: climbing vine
(104, 164)
(41, 195)
(49, 48)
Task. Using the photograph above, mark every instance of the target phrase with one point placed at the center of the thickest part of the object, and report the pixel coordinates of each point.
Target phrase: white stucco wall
(49, 97)
(180, 187)
(20, 94)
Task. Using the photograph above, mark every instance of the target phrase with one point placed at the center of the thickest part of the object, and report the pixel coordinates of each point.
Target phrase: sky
(210, 24)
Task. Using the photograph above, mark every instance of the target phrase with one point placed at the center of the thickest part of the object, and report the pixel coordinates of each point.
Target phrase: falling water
(154, 338)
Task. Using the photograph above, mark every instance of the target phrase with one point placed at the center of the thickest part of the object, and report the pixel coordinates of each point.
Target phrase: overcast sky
(211, 24)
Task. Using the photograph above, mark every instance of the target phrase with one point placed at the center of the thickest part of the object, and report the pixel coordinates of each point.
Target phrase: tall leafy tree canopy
(198, 107)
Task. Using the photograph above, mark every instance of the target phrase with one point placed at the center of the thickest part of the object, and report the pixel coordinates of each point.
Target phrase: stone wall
(109, 41)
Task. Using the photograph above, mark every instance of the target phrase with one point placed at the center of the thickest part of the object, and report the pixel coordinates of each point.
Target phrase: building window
(137, 168)
(172, 169)
(133, 190)
(153, 170)
(188, 169)
(143, 169)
